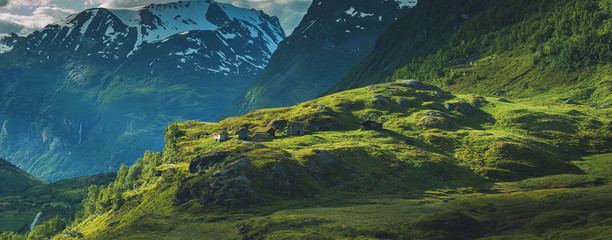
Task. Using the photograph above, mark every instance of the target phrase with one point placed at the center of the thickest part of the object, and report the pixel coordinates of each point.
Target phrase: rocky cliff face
(331, 38)
(95, 90)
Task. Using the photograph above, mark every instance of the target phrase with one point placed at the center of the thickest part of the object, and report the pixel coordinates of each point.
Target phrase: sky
(25, 16)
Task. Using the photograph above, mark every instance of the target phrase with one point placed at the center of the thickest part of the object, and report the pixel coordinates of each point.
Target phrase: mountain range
(85, 94)
(331, 38)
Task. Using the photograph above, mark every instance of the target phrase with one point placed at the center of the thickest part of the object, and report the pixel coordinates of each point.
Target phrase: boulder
(503, 100)
(478, 101)
(414, 84)
(381, 98)
(230, 169)
(425, 97)
(323, 108)
(405, 103)
(569, 101)
(436, 120)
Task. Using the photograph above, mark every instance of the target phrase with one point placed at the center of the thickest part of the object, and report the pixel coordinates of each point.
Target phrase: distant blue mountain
(95, 90)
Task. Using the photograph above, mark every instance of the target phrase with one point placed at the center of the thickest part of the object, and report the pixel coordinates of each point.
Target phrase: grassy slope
(62, 198)
(507, 168)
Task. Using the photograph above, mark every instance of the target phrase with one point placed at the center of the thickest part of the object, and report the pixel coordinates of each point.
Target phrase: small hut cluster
(266, 134)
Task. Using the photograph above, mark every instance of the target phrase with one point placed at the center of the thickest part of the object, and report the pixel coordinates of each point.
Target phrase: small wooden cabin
(262, 137)
(221, 136)
(243, 134)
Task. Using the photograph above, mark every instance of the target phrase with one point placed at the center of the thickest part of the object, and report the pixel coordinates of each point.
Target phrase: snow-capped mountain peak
(406, 3)
(156, 22)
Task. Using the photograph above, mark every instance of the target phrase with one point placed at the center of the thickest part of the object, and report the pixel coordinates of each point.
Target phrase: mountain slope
(521, 55)
(422, 32)
(512, 49)
(332, 37)
(88, 92)
(13, 179)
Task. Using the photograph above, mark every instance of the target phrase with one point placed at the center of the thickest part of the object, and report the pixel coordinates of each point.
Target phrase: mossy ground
(503, 168)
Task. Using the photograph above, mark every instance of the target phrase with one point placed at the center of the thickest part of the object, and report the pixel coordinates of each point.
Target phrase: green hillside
(444, 167)
(527, 49)
(13, 179)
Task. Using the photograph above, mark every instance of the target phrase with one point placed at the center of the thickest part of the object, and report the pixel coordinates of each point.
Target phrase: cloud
(289, 12)
(12, 4)
(25, 24)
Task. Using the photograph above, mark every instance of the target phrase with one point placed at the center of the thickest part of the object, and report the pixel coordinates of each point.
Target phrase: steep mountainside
(557, 50)
(13, 179)
(87, 93)
(331, 38)
(422, 32)
(442, 166)
(542, 49)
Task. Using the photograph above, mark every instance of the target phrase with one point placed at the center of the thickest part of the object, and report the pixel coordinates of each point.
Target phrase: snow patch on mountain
(8, 41)
(407, 3)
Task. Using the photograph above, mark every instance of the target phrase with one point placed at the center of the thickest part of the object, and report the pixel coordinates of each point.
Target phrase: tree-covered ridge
(525, 48)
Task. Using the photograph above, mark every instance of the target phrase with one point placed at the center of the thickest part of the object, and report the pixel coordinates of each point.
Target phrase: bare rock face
(202, 163)
(226, 186)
